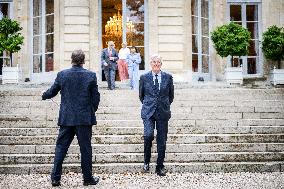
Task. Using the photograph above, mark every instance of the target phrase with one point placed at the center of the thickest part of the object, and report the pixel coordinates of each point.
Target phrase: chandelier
(113, 27)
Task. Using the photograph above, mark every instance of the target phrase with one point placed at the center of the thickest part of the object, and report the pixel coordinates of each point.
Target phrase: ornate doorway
(123, 21)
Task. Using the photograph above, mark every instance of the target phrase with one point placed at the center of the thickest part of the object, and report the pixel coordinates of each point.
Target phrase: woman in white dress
(121, 63)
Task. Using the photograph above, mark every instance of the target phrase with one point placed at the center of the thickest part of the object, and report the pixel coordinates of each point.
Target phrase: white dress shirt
(159, 78)
(123, 52)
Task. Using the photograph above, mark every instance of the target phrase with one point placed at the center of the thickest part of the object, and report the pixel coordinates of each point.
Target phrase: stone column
(172, 42)
(22, 58)
(272, 14)
(219, 17)
(152, 29)
(95, 50)
(76, 30)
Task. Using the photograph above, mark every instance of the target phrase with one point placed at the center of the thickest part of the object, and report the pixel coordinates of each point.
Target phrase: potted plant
(232, 40)
(10, 42)
(273, 49)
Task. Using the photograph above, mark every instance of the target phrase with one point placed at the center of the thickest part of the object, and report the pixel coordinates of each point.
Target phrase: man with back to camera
(156, 92)
(79, 102)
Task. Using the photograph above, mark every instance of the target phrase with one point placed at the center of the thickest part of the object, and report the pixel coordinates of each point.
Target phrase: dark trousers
(110, 77)
(65, 137)
(161, 138)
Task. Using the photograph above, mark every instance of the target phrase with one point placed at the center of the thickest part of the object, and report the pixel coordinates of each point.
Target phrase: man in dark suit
(109, 57)
(156, 92)
(79, 102)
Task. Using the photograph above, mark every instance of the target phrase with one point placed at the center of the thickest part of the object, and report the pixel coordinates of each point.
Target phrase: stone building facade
(179, 30)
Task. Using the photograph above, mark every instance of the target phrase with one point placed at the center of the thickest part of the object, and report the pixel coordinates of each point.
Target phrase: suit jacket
(153, 101)
(105, 58)
(79, 96)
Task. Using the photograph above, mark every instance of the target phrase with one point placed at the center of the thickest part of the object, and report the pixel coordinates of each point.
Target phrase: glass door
(247, 15)
(43, 35)
(200, 39)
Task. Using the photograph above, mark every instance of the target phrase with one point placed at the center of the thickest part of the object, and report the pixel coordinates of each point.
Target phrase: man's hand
(105, 64)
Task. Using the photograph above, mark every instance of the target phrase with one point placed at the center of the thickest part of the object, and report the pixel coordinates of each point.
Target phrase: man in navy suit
(109, 57)
(79, 102)
(156, 92)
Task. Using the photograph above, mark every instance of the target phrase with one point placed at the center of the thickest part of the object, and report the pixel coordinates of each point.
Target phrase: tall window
(247, 15)
(200, 36)
(43, 35)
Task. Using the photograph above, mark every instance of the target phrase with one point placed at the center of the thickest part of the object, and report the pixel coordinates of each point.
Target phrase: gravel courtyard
(149, 181)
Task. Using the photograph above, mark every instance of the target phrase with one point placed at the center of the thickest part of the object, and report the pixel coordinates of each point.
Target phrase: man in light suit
(156, 92)
(109, 57)
(79, 102)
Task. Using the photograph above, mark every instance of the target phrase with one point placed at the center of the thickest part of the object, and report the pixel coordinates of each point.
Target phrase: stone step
(211, 129)
(175, 116)
(139, 157)
(136, 139)
(12, 122)
(136, 111)
(194, 167)
(17, 91)
(107, 99)
(192, 93)
(118, 130)
(24, 102)
(122, 110)
(138, 148)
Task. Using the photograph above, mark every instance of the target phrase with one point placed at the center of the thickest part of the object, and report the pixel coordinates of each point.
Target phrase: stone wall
(76, 29)
(169, 33)
(20, 13)
(272, 14)
(219, 18)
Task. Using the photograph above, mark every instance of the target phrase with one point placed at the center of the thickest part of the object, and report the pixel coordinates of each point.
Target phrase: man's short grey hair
(110, 43)
(156, 57)
(78, 57)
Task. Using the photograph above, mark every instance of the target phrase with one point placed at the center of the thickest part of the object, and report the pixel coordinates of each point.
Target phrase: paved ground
(151, 181)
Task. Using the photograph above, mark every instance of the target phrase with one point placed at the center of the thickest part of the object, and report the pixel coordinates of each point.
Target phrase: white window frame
(10, 7)
(124, 30)
(259, 58)
(199, 73)
(43, 35)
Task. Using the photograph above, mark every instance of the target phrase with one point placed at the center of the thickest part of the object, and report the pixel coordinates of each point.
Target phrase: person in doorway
(79, 101)
(109, 57)
(121, 63)
(133, 61)
(156, 92)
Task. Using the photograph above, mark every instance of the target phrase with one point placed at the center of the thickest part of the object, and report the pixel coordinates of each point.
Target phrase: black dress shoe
(93, 181)
(55, 183)
(161, 171)
(146, 168)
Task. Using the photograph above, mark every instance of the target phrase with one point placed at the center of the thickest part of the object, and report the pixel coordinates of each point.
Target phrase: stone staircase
(211, 130)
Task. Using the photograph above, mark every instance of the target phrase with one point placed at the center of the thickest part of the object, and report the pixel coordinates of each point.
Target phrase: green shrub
(10, 37)
(231, 40)
(273, 44)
